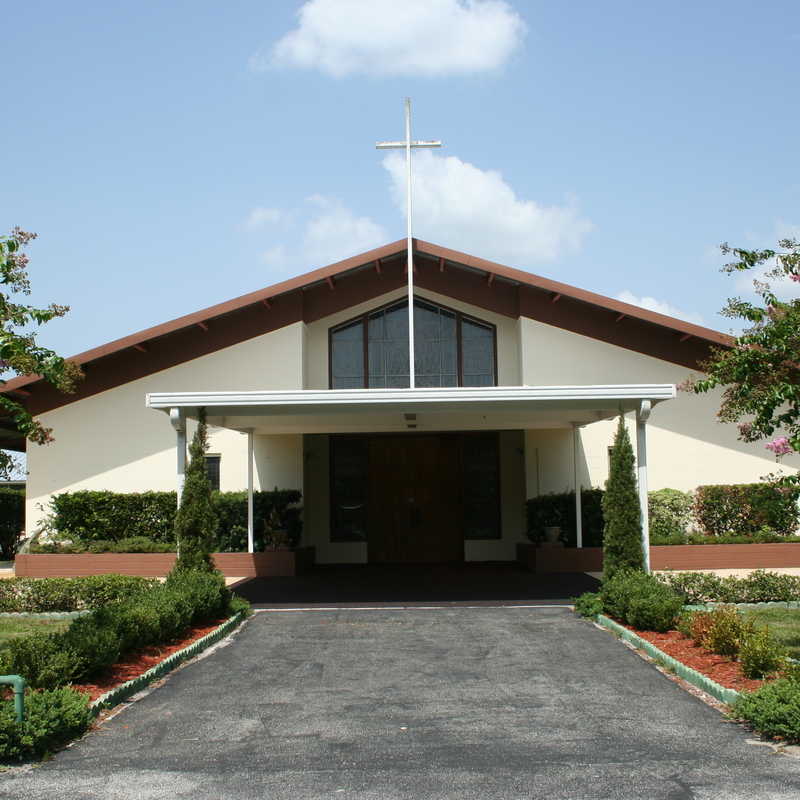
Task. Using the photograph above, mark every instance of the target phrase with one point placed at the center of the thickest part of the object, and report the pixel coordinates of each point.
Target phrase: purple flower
(780, 446)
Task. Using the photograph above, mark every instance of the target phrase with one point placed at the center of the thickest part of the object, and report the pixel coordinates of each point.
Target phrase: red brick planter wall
(686, 557)
(157, 565)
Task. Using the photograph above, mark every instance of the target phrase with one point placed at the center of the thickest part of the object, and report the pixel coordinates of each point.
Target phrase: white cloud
(335, 232)
(275, 257)
(260, 217)
(398, 37)
(457, 204)
(660, 307)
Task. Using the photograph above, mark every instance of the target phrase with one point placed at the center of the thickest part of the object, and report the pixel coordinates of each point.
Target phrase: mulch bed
(721, 669)
(139, 662)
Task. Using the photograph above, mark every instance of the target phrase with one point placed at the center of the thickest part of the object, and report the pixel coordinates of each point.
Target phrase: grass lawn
(19, 626)
(784, 624)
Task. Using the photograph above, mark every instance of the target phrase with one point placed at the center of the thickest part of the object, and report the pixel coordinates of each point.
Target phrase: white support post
(642, 415)
(250, 521)
(178, 419)
(576, 443)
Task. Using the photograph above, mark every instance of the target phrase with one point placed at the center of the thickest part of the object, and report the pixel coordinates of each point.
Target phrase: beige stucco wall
(687, 446)
(112, 441)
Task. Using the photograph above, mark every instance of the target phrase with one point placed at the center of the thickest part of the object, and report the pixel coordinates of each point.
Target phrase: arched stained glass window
(450, 349)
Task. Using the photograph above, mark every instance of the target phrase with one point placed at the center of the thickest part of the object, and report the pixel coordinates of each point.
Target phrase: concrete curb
(721, 693)
(129, 688)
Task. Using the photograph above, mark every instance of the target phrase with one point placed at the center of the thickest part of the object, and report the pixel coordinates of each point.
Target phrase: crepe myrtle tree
(196, 521)
(760, 374)
(622, 533)
(20, 353)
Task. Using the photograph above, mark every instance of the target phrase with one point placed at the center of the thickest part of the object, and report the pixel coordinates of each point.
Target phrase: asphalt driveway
(490, 702)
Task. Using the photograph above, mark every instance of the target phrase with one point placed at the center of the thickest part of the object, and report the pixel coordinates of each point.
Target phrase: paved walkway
(454, 703)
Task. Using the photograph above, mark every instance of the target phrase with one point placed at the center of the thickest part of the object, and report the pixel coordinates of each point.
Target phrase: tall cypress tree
(622, 534)
(196, 521)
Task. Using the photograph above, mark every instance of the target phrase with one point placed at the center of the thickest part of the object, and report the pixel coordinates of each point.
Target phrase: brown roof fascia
(565, 290)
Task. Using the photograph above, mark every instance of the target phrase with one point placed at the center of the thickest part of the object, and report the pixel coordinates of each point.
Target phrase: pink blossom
(780, 446)
(795, 276)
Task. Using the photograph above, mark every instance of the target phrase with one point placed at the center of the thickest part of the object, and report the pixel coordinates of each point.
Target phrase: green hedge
(558, 508)
(88, 518)
(95, 641)
(36, 595)
(12, 521)
(52, 718)
(759, 586)
(746, 508)
(773, 710)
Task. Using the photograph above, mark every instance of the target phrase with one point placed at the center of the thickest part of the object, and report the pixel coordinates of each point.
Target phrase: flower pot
(552, 534)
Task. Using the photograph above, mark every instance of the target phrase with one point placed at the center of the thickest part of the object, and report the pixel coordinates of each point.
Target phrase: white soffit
(464, 399)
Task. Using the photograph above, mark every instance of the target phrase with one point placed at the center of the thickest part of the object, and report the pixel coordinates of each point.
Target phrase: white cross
(407, 145)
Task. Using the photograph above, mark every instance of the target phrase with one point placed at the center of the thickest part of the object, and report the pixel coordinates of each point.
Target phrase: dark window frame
(217, 478)
(364, 319)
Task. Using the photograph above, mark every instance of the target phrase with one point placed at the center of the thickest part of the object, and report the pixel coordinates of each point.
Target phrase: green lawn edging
(131, 687)
(721, 693)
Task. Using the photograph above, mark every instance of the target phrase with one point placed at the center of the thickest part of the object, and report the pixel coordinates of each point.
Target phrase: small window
(349, 489)
(212, 470)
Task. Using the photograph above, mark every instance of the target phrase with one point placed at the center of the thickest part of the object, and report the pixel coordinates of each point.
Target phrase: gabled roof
(315, 294)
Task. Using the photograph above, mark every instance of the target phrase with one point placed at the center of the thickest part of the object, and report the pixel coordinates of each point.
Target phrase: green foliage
(773, 710)
(196, 520)
(559, 509)
(747, 508)
(759, 586)
(12, 521)
(94, 642)
(34, 595)
(760, 374)
(640, 600)
(761, 654)
(670, 513)
(622, 537)
(116, 522)
(20, 353)
(52, 718)
(726, 632)
(589, 604)
(89, 516)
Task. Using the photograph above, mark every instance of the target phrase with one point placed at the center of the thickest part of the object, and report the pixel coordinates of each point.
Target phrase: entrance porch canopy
(373, 410)
(434, 409)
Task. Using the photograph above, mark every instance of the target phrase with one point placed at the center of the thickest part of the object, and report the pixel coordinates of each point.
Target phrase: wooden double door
(415, 504)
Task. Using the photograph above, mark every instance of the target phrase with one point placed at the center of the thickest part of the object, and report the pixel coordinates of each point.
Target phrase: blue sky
(174, 155)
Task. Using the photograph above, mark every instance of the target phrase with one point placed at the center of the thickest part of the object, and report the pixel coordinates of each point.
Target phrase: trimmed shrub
(206, 592)
(559, 509)
(12, 521)
(670, 513)
(42, 659)
(120, 522)
(759, 586)
(726, 632)
(34, 595)
(96, 646)
(622, 536)
(773, 710)
(589, 604)
(761, 654)
(747, 508)
(52, 718)
(655, 611)
(699, 627)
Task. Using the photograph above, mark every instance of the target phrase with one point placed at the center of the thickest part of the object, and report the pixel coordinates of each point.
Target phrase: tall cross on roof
(408, 144)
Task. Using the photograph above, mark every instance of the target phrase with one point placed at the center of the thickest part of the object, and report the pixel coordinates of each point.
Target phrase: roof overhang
(357, 410)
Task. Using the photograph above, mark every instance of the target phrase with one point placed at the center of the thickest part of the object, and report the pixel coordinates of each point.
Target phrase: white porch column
(177, 417)
(250, 521)
(576, 444)
(642, 416)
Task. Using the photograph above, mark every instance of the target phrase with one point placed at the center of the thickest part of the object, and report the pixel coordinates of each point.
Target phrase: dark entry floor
(416, 584)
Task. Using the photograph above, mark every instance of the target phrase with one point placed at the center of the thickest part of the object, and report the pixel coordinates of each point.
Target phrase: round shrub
(52, 718)
(589, 604)
(655, 611)
(96, 645)
(773, 710)
(726, 631)
(670, 513)
(41, 659)
(761, 654)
